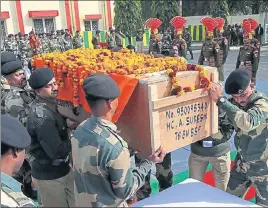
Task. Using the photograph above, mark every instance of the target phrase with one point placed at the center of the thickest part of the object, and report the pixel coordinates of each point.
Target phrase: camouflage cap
(11, 67)
(13, 133)
(7, 57)
(101, 86)
(237, 82)
(40, 77)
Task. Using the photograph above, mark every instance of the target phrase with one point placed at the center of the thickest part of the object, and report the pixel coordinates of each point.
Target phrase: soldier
(110, 177)
(5, 88)
(210, 50)
(214, 150)
(14, 140)
(96, 40)
(78, 40)
(44, 43)
(119, 38)
(17, 103)
(50, 146)
(223, 52)
(248, 54)
(54, 43)
(248, 113)
(188, 38)
(155, 42)
(180, 43)
(68, 43)
(111, 39)
(139, 41)
(60, 40)
(227, 35)
(255, 44)
(8, 43)
(23, 46)
(167, 42)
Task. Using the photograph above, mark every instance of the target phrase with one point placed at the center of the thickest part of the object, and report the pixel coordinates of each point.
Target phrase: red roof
(43, 13)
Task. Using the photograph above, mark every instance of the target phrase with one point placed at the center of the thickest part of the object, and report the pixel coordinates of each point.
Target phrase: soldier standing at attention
(111, 39)
(78, 40)
(248, 54)
(223, 44)
(104, 175)
(188, 38)
(119, 38)
(139, 41)
(50, 146)
(68, 43)
(14, 140)
(54, 43)
(227, 34)
(210, 50)
(44, 43)
(96, 40)
(248, 113)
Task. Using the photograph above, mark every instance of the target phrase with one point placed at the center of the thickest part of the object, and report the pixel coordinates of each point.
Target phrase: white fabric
(192, 193)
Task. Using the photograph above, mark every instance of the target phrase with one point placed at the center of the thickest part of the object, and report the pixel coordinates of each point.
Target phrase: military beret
(237, 82)
(101, 86)
(11, 67)
(13, 133)
(40, 78)
(7, 57)
(10, 35)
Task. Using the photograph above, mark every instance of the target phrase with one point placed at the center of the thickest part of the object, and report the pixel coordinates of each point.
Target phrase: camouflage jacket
(251, 125)
(103, 172)
(11, 194)
(248, 57)
(44, 45)
(68, 44)
(54, 45)
(5, 88)
(78, 41)
(17, 104)
(223, 44)
(111, 41)
(210, 53)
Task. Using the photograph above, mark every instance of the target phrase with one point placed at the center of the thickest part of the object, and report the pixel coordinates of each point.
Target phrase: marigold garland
(77, 64)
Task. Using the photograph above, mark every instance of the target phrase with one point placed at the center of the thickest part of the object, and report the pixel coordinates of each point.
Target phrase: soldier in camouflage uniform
(17, 104)
(11, 44)
(78, 40)
(96, 40)
(166, 43)
(119, 38)
(223, 52)
(14, 140)
(155, 44)
(54, 43)
(60, 40)
(111, 39)
(68, 42)
(110, 177)
(248, 113)
(188, 38)
(44, 43)
(210, 50)
(180, 43)
(248, 57)
(139, 41)
(23, 46)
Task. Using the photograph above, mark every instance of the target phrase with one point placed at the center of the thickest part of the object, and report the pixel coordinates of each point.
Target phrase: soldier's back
(96, 149)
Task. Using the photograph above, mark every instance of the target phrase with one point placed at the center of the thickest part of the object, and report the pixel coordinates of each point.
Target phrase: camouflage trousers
(221, 72)
(240, 181)
(164, 176)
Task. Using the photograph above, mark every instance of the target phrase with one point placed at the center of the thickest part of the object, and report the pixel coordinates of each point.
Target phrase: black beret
(7, 57)
(237, 82)
(11, 67)
(13, 133)
(101, 86)
(40, 78)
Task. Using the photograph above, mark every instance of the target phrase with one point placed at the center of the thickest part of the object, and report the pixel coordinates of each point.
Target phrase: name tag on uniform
(207, 143)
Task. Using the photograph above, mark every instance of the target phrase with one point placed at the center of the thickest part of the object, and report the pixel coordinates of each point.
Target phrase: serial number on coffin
(188, 120)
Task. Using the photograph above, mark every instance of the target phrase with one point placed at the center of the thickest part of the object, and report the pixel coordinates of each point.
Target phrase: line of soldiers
(49, 42)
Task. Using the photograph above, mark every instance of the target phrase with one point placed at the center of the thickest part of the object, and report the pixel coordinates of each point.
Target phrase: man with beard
(17, 104)
(50, 144)
(247, 111)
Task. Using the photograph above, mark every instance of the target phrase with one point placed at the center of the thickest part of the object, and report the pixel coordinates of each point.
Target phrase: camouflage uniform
(139, 40)
(251, 163)
(166, 41)
(11, 194)
(118, 39)
(5, 88)
(223, 52)
(60, 42)
(23, 49)
(188, 38)
(110, 177)
(54, 45)
(68, 44)
(111, 41)
(209, 55)
(256, 44)
(11, 45)
(78, 41)
(96, 41)
(155, 44)
(44, 44)
(248, 57)
(164, 176)
(181, 45)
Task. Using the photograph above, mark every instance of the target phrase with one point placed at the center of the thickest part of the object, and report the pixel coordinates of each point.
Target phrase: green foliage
(128, 16)
(165, 10)
(146, 9)
(219, 8)
(195, 7)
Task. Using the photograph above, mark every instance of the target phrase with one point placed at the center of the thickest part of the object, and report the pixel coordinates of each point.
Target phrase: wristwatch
(222, 100)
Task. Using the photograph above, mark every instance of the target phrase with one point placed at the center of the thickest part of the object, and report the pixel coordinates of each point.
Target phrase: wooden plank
(154, 118)
(172, 100)
(214, 108)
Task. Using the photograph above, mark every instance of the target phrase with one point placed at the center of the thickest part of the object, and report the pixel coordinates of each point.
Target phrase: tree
(128, 16)
(219, 8)
(165, 10)
(146, 9)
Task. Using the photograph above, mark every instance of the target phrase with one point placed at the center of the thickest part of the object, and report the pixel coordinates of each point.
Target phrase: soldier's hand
(71, 123)
(157, 156)
(215, 92)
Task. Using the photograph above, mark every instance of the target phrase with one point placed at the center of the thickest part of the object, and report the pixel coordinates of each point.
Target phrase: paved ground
(180, 157)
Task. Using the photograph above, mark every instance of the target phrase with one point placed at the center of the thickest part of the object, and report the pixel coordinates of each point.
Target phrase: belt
(209, 144)
(54, 162)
